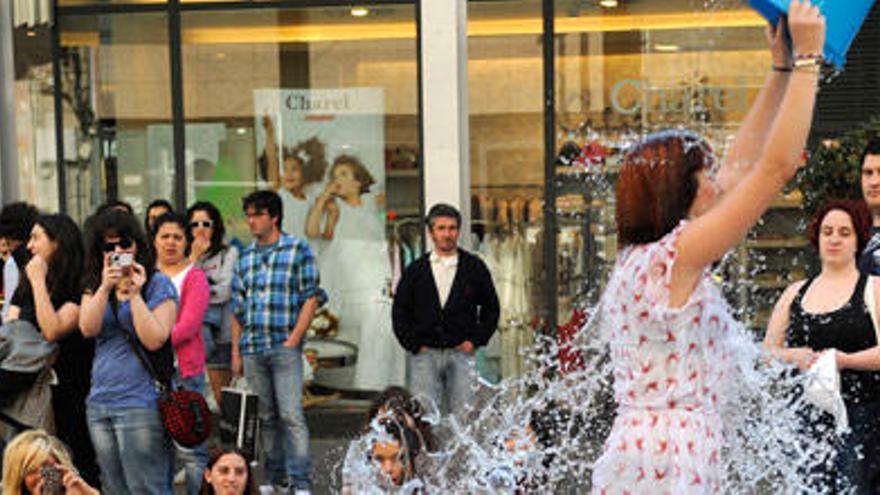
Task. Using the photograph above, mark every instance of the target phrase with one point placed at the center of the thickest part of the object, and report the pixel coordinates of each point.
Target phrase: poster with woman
(323, 151)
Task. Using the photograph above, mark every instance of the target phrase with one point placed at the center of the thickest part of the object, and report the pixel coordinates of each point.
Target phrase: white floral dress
(670, 368)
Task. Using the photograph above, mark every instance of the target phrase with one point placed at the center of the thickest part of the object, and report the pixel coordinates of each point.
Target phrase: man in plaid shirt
(274, 295)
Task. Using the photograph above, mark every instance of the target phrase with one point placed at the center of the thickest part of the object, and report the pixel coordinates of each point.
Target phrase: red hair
(658, 184)
(858, 213)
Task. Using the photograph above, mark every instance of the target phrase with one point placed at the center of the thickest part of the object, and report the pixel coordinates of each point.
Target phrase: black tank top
(848, 329)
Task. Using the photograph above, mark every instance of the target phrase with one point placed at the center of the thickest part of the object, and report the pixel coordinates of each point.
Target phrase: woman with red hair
(830, 311)
(672, 338)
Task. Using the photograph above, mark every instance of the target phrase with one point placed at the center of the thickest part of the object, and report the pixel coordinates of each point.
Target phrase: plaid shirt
(268, 289)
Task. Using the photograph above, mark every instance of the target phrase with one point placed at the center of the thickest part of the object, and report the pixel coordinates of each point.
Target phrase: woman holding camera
(126, 303)
(170, 241)
(36, 462)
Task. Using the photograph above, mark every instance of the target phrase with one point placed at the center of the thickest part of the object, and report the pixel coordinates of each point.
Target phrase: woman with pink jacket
(171, 243)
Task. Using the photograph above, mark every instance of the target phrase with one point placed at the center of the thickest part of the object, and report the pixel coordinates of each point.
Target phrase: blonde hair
(26, 453)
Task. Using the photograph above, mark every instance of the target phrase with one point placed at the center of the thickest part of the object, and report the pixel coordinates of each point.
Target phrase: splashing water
(544, 431)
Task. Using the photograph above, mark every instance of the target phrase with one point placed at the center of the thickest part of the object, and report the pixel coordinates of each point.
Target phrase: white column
(8, 138)
(445, 106)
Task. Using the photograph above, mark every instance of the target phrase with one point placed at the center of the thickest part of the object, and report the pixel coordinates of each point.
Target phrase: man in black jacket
(444, 308)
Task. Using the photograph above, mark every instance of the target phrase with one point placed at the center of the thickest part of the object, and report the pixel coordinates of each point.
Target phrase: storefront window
(35, 118)
(505, 91)
(117, 110)
(628, 70)
(320, 104)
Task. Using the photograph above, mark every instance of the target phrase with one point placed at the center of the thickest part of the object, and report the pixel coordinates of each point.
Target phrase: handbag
(184, 413)
(239, 417)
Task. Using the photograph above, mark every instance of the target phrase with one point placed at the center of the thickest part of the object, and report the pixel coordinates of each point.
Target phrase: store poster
(322, 150)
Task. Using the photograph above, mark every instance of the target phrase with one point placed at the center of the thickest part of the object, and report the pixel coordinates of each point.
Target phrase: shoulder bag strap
(137, 348)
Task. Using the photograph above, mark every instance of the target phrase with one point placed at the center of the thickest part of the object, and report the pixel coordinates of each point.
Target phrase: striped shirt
(269, 287)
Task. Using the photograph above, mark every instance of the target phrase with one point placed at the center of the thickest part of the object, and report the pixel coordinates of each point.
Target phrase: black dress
(847, 329)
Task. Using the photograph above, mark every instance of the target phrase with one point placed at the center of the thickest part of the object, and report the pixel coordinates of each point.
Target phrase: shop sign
(676, 100)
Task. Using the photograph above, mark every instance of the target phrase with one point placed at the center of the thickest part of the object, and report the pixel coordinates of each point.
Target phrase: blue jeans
(194, 460)
(132, 450)
(276, 376)
(445, 376)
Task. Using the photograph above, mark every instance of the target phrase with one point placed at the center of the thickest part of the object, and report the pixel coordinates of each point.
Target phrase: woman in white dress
(355, 271)
(674, 345)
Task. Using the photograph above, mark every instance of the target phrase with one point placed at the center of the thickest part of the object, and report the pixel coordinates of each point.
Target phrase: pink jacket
(186, 337)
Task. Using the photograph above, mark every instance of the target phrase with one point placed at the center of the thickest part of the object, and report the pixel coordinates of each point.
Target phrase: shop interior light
(31, 33)
(663, 47)
(360, 11)
(608, 4)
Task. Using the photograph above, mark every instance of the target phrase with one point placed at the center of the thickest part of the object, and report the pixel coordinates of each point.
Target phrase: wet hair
(442, 210)
(156, 203)
(360, 172)
(17, 220)
(872, 148)
(406, 409)
(114, 204)
(658, 184)
(215, 455)
(65, 267)
(180, 221)
(26, 453)
(858, 213)
(114, 223)
(264, 200)
(218, 229)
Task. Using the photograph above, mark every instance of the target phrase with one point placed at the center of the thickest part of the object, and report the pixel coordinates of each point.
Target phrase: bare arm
(708, 237)
(91, 314)
(313, 218)
(153, 328)
(53, 324)
(774, 339)
(751, 138)
(271, 152)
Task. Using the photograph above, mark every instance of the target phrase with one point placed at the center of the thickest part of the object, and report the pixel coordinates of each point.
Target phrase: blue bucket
(844, 18)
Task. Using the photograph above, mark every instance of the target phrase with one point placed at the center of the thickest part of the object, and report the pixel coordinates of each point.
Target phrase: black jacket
(471, 311)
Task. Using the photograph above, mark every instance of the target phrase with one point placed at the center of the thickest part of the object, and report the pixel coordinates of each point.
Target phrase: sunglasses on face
(122, 243)
(205, 224)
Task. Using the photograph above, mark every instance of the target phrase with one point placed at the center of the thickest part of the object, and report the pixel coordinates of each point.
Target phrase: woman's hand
(199, 247)
(111, 275)
(36, 268)
(779, 49)
(803, 357)
(807, 27)
(138, 278)
(74, 485)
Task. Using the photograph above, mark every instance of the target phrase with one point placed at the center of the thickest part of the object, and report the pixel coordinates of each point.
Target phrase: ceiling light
(360, 11)
(608, 4)
(661, 47)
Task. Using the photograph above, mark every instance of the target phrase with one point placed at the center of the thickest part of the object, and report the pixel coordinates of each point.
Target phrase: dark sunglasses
(123, 243)
(207, 224)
